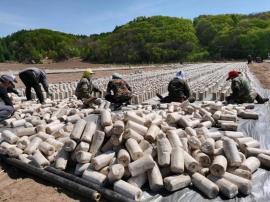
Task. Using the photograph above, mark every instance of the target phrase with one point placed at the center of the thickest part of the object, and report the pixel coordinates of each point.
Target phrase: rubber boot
(261, 100)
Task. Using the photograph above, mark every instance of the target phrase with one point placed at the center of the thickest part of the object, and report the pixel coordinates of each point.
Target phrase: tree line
(157, 39)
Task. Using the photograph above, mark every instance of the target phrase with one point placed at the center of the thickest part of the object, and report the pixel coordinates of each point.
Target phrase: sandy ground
(262, 72)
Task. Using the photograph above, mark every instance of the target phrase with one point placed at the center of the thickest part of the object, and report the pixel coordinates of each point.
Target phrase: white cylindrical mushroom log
(177, 160)
(97, 141)
(174, 183)
(32, 147)
(231, 152)
(118, 127)
(94, 177)
(190, 163)
(83, 156)
(123, 157)
(61, 159)
(244, 185)
(106, 118)
(141, 165)
(208, 146)
(80, 168)
(39, 160)
(70, 145)
(9, 137)
(116, 172)
(138, 180)
(155, 178)
(17, 123)
(23, 142)
(152, 133)
(134, 149)
(25, 131)
(127, 190)
(265, 160)
(129, 133)
(89, 131)
(174, 138)
(78, 130)
(218, 166)
(163, 150)
(251, 164)
(46, 148)
(206, 186)
(102, 160)
(142, 130)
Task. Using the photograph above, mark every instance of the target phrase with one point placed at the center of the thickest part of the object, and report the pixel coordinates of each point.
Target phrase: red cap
(232, 74)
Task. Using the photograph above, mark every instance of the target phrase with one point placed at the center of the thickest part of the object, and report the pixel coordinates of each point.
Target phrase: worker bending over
(118, 91)
(241, 92)
(32, 77)
(6, 105)
(178, 89)
(85, 87)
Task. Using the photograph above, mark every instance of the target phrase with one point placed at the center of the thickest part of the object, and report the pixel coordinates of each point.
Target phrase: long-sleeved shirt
(4, 96)
(84, 88)
(179, 88)
(119, 87)
(40, 75)
(241, 90)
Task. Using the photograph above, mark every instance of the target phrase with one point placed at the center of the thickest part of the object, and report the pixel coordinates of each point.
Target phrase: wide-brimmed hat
(9, 78)
(116, 76)
(87, 73)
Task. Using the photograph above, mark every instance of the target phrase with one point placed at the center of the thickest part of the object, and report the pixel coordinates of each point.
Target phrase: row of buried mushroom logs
(169, 146)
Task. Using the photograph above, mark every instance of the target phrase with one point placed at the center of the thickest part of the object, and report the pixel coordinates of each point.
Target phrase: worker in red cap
(241, 92)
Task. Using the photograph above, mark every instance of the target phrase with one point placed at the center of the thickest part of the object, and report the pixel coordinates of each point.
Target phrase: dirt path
(17, 186)
(262, 72)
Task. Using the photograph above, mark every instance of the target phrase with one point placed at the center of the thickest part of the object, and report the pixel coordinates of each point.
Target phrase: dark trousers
(30, 81)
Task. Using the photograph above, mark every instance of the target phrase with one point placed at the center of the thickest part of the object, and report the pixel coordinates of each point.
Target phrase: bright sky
(96, 16)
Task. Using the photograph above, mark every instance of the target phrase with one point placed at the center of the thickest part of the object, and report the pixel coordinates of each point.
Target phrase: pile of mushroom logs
(166, 146)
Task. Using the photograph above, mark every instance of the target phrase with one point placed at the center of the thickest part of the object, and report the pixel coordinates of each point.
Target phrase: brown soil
(262, 72)
(17, 186)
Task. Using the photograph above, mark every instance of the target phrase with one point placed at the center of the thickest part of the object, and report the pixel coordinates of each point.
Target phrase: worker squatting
(118, 91)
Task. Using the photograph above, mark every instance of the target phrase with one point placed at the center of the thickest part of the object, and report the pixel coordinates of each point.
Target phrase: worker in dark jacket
(12, 88)
(32, 77)
(178, 89)
(85, 87)
(241, 92)
(6, 105)
(118, 91)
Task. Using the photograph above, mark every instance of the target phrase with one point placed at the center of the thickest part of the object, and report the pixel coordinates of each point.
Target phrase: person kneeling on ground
(241, 92)
(85, 87)
(12, 88)
(31, 77)
(178, 89)
(6, 105)
(118, 91)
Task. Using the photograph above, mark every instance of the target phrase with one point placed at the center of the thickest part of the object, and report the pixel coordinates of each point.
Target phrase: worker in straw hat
(241, 92)
(118, 91)
(85, 87)
(6, 105)
(178, 89)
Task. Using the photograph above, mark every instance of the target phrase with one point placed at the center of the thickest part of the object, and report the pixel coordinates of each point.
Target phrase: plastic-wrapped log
(107, 146)
(231, 152)
(123, 157)
(97, 141)
(32, 147)
(207, 117)
(217, 115)
(129, 133)
(7, 122)
(39, 160)
(250, 151)
(83, 156)
(227, 188)
(94, 177)
(73, 118)
(184, 122)
(251, 164)
(17, 123)
(265, 160)
(228, 117)
(248, 115)
(61, 159)
(14, 152)
(152, 133)
(177, 160)
(44, 136)
(131, 116)
(190, 163)
(57, 144)
(185, 143)
(116, 139)
(206, 186)
(163, 150)
(174, 183)
(23, 142)
(253, 143)
(174, 138)
(155, 178)
(78, 130)
(102, 160)
(70, 145)
(89, 131)
(203, 131)
(233, 134)
(51, 128)
(24, 158)
(134, 149)
(138, 180)
(82, 146)
(68, 127)
(80, 168)
(127, 190)
(173, 118)
(208, 146)
(142, 130)
(215, 135)
(108, 130)
(229, 126)
(240, 172)
(106, 118)
(118, 127)
(9, 137)
(25, 131)
(4, 146)
(141, 165)
(41, 128)
(244, 185)
(203, 159)
(116, 172)
(46, 148)
(218, 166)
(243, 140)
(207, 124)
(190, 131)
(204, 171)
(194, 142)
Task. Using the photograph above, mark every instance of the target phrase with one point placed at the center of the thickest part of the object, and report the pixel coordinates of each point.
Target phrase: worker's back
(241, 90)
(119, 87)
(178, 88)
